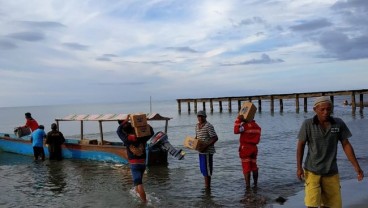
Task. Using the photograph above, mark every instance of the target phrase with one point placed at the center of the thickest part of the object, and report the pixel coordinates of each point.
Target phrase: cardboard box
(191, 143)
(138, 120)
(142, 131)
(248, 110)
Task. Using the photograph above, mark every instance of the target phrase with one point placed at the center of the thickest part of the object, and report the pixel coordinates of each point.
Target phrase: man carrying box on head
(136, 149)
(207, 136)
(250, 134)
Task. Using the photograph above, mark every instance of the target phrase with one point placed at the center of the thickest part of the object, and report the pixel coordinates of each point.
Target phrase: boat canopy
(108, 117)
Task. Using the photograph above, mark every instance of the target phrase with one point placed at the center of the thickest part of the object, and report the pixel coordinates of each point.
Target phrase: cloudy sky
(95, 51)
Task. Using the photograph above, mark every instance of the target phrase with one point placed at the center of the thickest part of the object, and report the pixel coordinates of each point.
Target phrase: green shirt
(322, 144)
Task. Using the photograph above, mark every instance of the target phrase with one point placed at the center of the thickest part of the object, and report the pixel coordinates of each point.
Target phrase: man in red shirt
(250, 134)
(30, 122)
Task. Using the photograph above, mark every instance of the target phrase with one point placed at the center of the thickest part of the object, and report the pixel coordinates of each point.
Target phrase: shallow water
(76, 183)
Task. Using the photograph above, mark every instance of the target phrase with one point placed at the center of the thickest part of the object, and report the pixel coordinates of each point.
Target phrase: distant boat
(98, 150)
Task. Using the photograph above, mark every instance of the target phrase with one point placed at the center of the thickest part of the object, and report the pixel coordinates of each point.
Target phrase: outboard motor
(160, 141)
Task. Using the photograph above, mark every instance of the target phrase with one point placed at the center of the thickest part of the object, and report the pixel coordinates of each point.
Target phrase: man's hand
(300, 174)
(202, 146)
(360, 175)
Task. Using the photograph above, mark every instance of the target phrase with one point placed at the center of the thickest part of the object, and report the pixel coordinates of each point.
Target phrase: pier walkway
(274, 97)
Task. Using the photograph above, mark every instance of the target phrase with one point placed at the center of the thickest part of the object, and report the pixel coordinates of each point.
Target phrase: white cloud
(89, 50)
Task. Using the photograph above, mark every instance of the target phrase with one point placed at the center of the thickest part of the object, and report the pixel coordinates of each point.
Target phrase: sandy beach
(354, 195)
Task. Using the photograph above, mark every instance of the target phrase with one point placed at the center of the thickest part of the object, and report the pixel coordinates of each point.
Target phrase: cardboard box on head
(248, 110)
(138, 119)
(142, 131)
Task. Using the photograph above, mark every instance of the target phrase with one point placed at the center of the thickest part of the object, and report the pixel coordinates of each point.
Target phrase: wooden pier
(274, 97)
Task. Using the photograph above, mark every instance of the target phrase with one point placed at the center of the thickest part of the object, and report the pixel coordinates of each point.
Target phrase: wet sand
(354, 195)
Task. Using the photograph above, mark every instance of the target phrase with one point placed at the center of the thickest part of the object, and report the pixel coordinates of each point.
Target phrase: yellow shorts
(322, 190)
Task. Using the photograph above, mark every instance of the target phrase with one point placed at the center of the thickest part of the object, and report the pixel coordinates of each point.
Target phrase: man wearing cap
(207, 136)
(54, 140)
(37, 142)
(322, 134)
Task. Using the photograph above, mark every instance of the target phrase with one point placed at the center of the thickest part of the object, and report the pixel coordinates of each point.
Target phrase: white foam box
(142, 131)
(248, 110)
(138, 119)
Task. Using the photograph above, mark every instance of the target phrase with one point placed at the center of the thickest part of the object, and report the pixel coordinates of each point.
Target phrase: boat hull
(105, 153)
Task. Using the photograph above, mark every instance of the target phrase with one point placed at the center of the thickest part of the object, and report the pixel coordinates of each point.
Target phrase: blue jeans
(137, 173)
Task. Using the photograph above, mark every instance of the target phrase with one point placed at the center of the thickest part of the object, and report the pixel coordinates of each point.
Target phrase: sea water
(80, 183)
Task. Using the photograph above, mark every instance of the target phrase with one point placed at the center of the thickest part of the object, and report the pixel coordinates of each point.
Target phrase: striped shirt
(205, 134)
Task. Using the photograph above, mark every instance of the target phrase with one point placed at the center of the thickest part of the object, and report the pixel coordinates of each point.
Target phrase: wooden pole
(361, 102)
(211, 105)
(81, 130)
(281, 105)
(239, 105)
(179, 106)
(332, 101)
(272, 105)
(305, 104)
(353, 105)
(188, 106)
(259, 105)
(220, 106)
(229, 104)
(204, 105)
(297, 103)
(195, 106)
(101, 131)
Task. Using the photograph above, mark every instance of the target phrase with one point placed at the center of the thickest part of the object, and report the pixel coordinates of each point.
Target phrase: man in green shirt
(322, 134)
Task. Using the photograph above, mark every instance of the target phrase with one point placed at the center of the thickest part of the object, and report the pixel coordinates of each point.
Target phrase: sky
(92, 51)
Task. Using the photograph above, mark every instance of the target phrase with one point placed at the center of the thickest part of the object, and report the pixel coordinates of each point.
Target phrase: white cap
(320, 100)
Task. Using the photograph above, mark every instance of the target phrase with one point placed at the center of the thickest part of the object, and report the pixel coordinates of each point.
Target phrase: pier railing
(274, 97)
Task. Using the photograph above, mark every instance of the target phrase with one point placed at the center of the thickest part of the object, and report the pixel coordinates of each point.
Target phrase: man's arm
(349, 152)
(299, 159)
(122, 135)
(205, 145)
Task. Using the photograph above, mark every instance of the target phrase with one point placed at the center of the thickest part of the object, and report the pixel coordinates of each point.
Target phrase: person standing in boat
(250, 135)
(136, 149)
(30, 122)
(37, 142)
(54, 140)
(207, 136)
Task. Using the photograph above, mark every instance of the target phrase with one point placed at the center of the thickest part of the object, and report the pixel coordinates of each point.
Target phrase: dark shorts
(137, 173)
(39, 152)
(206, 164)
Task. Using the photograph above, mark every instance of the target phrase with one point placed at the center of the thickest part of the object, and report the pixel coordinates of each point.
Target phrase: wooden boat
(99, 150)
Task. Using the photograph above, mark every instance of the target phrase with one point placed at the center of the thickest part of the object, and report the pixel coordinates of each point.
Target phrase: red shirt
(32, 124)
(251, 133)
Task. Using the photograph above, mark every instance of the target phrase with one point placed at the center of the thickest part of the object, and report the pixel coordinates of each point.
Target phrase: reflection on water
(56, 177)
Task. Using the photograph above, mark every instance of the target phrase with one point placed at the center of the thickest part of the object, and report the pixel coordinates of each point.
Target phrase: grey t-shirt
(322, 144)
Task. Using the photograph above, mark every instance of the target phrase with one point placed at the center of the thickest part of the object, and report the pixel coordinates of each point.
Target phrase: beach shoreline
(354, 195)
